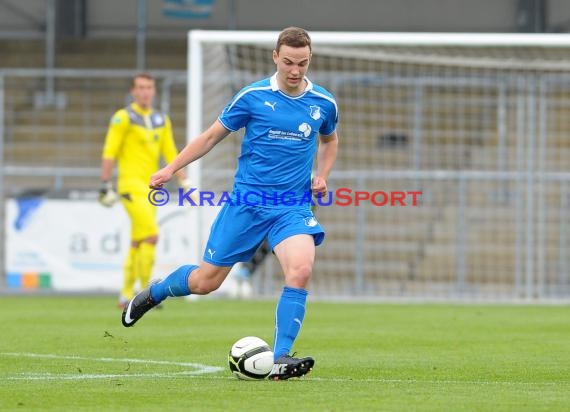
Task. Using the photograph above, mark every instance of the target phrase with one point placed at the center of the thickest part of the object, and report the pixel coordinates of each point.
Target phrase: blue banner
(188, 9)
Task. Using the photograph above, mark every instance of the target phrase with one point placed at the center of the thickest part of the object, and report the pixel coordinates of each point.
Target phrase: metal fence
(53, 125)
(488, 155)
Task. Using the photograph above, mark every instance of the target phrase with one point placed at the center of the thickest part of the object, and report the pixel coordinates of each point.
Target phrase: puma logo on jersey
(311, 221)
(272, 105)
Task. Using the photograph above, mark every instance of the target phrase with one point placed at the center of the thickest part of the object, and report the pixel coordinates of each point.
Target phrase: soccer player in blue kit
(287, 119)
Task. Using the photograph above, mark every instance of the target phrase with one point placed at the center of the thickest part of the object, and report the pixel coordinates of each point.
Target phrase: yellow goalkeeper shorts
(142, 214)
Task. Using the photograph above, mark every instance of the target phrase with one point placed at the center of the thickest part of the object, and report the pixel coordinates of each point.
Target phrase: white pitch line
(205, 369)
(199, 369)
(70, 377)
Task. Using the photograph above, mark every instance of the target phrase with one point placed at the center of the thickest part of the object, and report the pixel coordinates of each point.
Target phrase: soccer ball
(250, 358)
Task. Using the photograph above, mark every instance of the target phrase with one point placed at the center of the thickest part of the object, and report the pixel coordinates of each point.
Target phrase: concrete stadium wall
(368, 15)
(107, 18)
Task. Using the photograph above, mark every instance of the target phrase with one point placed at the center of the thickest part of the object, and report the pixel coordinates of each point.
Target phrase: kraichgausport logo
(340, 197)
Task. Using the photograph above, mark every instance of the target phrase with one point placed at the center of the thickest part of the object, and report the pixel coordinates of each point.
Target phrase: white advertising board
(78, 245)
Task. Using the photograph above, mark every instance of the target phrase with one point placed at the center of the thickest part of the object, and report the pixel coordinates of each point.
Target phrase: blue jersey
(281, 136)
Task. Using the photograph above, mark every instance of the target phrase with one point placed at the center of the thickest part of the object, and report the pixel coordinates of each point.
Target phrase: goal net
(477, 122)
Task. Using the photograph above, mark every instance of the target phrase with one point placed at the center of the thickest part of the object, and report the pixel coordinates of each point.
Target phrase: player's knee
(153, 240)
(299, 275)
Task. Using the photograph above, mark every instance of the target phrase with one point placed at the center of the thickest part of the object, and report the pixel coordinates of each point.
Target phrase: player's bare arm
(326, 156)
(193, 151)
(107, 166)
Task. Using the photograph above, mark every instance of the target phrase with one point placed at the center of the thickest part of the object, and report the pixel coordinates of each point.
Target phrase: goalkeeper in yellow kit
(137, 137)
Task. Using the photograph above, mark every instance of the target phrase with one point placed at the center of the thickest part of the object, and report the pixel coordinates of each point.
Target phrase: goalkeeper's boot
(138, 306)
(288, 367)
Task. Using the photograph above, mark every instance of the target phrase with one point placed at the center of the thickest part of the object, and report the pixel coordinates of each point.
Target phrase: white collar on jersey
(275, 87)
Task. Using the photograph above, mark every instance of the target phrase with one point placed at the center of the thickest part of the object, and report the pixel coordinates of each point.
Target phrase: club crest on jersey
(315, 112)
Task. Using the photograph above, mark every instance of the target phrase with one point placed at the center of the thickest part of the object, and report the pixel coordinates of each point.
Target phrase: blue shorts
(238, 230)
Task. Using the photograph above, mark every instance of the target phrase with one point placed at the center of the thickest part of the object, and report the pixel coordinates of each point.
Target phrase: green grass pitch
(71, 353)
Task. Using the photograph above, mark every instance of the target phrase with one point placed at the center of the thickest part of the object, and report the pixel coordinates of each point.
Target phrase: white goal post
(198, 39)
(475, 120)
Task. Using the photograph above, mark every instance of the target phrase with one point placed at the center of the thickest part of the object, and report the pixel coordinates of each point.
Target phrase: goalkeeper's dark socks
(288, 319)
(175, 284)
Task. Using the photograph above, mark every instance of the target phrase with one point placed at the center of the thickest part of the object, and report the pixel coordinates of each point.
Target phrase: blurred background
(478, 124)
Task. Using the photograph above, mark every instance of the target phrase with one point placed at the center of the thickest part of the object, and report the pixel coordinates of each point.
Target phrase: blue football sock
(175, 284)
(288, 319)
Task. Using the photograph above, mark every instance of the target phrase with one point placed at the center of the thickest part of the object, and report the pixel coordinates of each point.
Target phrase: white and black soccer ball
(250, 358)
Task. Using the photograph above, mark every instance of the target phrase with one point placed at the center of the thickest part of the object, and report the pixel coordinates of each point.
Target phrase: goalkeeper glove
(107, 195)
(186, 185)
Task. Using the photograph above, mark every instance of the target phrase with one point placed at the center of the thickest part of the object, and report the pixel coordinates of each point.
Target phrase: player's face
(292, 64)
(143, 92)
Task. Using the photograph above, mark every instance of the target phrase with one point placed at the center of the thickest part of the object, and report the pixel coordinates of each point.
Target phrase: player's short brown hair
(141, 75)
(293, 37)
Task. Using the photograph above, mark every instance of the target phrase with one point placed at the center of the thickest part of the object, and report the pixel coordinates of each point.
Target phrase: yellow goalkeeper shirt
(136, 140)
